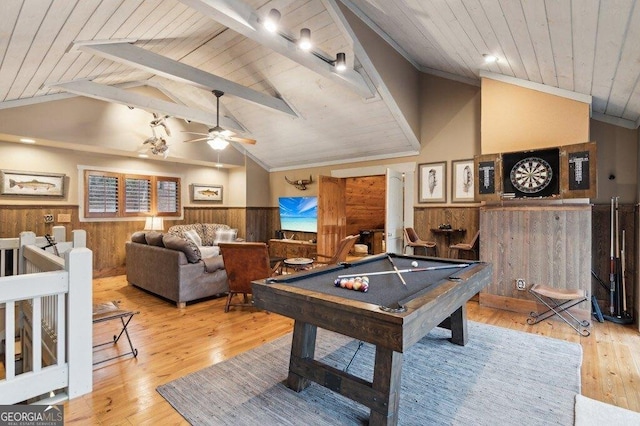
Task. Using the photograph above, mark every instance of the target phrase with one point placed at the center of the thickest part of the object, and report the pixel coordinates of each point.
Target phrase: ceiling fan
(217, 137)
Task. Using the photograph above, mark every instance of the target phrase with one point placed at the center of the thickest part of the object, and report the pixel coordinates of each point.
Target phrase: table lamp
(154, 223)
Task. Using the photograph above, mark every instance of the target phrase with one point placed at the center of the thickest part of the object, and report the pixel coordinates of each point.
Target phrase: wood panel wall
(548, 244)
(427, 218)
(365, 201)
(107, 239)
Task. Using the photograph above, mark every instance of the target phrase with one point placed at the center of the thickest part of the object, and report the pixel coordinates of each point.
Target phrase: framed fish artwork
(463, 181)
(206, 192)
(31, 183)
(432, 182)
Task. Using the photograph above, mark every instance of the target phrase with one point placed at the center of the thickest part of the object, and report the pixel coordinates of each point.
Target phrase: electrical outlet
(48, 218)
(521, 284)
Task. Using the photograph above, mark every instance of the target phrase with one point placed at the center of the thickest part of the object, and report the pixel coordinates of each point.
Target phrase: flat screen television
(299, 214)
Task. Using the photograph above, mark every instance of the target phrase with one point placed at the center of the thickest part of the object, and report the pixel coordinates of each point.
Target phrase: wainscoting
(542, 244)
(427, 218)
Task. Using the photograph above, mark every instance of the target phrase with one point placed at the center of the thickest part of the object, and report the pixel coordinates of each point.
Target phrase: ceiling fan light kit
(217, 137)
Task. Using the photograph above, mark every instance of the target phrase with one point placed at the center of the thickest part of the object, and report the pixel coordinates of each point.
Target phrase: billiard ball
(414, 264)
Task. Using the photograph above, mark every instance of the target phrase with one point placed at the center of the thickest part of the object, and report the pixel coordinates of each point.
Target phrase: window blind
(137, 195)
(102, 193)
(167, 196)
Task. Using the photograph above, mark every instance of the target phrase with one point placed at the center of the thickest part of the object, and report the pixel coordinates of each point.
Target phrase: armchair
(245, 262)
(344, 247)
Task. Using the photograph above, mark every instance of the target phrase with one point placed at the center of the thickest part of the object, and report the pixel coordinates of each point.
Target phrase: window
(110, 194)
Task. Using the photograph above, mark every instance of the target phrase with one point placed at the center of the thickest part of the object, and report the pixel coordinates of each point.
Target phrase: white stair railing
(56, 294)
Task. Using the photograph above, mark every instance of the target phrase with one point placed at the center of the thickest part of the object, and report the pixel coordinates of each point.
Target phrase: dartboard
(531, 175)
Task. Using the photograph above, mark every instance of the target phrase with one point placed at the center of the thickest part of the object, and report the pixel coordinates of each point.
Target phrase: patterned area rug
(501, 377)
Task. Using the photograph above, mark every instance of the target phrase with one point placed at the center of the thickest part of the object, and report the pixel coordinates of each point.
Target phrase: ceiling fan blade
(196, 133)
(241, 140)
(198, 139)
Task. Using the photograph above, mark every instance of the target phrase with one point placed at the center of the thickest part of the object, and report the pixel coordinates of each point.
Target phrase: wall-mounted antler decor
(301, 184)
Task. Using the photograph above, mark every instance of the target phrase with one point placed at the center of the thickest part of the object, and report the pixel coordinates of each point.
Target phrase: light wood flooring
(173, 342)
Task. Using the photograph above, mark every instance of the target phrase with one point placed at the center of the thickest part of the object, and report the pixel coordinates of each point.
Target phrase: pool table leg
(386, 380)
(303, 345)
(459, 334)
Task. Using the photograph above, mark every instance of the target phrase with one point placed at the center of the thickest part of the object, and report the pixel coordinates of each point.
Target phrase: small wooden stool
(559, 300)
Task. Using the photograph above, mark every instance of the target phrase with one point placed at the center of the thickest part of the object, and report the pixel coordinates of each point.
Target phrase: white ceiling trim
(227, 13)
(616, 121)
(123, 97)
(580, 97)
(371, 70)
(60, 96)
(347, 161)
(143, 59)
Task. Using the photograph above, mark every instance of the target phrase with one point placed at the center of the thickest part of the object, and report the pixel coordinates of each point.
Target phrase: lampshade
(154, 223)
(218, 143)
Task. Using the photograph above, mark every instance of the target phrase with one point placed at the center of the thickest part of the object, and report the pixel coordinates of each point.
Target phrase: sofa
(174, 266)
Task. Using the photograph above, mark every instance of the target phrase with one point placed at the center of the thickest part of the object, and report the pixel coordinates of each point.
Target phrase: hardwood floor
(173, 342)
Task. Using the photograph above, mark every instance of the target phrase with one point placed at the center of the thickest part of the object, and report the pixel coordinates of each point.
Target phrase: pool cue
(395, 268)
(402, 271)
(624, 284)
(618, 275)
(612, 265)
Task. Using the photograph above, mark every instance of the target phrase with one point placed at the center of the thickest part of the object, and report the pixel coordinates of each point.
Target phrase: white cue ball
(414, 264)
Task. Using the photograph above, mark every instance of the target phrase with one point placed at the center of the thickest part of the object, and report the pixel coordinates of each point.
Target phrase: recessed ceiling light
(27, 140)
(143, 156)
(489, 59)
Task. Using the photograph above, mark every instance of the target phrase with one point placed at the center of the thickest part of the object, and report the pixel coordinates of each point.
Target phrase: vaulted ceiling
(166, 56)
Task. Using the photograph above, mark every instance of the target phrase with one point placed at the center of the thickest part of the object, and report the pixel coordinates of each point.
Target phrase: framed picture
(463, 188)
(432, 182)
(205, 192)
(31, 184)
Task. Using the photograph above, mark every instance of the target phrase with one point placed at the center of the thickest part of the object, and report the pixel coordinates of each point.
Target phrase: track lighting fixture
(271, 21)
(304, 42)
(341, 61)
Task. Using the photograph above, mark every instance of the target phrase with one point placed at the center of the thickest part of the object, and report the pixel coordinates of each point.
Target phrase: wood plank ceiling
(586, 46)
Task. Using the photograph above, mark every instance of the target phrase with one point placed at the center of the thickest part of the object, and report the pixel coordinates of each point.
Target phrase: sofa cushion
(181, 229)
(138, 237)
(224, 236)
(154, 238)
(189, 249)
(193, 236)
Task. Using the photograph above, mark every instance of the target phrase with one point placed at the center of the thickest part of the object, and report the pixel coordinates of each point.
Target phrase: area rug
(501, 377)
(590, 412)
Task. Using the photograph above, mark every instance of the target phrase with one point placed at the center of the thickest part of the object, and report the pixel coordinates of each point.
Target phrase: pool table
(390, 315)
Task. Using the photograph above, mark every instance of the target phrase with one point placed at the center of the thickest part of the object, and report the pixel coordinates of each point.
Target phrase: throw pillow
(154, 238)
(138, 237)
(209, 251)
(192, 235)
(209, 232)
(224, 236)
(189, 249)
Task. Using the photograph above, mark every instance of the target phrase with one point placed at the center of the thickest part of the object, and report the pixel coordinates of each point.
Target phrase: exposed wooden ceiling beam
(147, 103)
(143, 59)
(242, 19)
